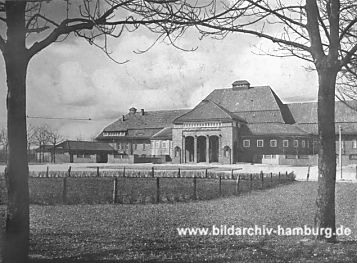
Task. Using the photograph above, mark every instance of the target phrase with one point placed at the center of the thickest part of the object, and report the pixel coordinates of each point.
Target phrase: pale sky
(76, 80)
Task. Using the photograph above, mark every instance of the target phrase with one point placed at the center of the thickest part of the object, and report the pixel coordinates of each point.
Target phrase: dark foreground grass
(99, 190)
(147, 233)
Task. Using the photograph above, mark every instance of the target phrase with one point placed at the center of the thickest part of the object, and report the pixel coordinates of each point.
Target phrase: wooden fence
(132, 185)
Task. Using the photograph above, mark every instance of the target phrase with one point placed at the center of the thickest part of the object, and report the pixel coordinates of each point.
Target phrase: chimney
(132, 110)
(142, 112)
(123, 117)
(240, 85)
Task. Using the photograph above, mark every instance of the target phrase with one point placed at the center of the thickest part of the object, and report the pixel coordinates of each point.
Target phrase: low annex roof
(272, 129)
(306, 112)
(208, 110)
(164, 134)
(150, 119)
(84, 146)
(305, 115)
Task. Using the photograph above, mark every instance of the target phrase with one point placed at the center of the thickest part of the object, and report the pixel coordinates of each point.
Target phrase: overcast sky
(76, 80)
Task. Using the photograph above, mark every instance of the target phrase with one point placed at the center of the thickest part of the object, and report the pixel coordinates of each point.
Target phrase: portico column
(183, 153)
(207, 148)
(195, 149)
(220, 148)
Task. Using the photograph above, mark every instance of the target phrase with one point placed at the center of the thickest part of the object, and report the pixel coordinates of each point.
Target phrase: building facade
(238, 124)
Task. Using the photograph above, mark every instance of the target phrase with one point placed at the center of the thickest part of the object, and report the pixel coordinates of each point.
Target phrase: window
(246, 143)
(116, 156)
(273, 143)
(226, 151)
(303, 144)
(86, 155)
(354, 144)
(177, 151)
(285, 143)
(79, 155)
(163, 144)
(260, 143)
(144, 146)
(353, 156)
(296, 143)
(158, 144)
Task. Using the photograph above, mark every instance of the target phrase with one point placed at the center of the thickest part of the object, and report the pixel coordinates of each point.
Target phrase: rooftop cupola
(240, 85)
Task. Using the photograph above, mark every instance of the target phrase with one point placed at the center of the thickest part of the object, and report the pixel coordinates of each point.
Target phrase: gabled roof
(208, 110)
(272, 129)
(164, 134)
(150, 119)
(84, 146)
(252, 100)
(44, 148)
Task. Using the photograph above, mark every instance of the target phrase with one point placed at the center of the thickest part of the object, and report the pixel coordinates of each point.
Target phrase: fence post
(115, 190)
(250, 181)
(237, 184)
(179, 173)
(69, 171)
(47, 171)
(279, 177)
(194, 188)
(98, 171)
(157, 189)
(271, 177)
(152, 172)
(220, 185)
(232, 176)
(206, 173)
(308, 174)
(262, 178)
(124, 172)
(64, 190)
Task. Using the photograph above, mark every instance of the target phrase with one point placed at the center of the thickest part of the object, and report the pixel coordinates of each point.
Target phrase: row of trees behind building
(38, 137)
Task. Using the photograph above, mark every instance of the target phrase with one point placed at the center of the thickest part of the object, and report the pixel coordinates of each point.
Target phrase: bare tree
(322, 32)
(41, 137)
(31, 27)
(54, 137)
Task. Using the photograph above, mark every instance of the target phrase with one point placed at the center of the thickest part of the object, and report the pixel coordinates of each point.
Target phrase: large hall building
(238, 124)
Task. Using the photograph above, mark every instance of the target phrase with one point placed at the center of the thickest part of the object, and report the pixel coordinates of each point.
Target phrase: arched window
(177, 151)
(226, 151)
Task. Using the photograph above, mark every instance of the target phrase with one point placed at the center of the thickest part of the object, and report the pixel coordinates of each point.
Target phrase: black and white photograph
(178, 131)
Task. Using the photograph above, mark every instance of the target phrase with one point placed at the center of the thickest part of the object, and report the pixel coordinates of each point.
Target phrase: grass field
(147, 233)
(99, 190)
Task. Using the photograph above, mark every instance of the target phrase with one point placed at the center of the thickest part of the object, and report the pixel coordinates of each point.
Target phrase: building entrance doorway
(213, 149)
(189, 149)
(201, 149)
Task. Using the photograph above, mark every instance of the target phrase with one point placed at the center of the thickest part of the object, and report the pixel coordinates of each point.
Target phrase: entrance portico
(201, 148)
(204, 132)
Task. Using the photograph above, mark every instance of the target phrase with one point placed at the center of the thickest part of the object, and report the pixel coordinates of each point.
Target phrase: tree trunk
(325, 214)
(16, 245)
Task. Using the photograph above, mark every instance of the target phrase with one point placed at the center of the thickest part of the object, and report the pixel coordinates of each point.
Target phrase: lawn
(147, 233)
